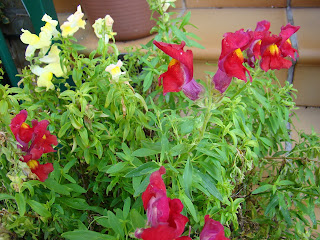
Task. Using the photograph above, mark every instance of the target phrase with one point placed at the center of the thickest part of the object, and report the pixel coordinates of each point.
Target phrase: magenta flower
(212, 230)
(179, 75)
(164, 214)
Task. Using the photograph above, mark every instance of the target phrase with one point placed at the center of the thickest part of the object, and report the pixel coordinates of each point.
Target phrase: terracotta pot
(131, 17)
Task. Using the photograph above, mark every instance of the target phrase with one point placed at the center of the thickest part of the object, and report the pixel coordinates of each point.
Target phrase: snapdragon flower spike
(164, 214)
(21, 130)
(231, 59)
(35, 141)
(212, 230)
(179, 75)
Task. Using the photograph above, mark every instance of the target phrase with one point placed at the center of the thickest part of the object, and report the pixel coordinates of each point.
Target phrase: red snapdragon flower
(231, 59)
(212, 230)
(164, 214)
(275, 48)
(35, 141)
(179, 75)
(41, 170)
(21, 130)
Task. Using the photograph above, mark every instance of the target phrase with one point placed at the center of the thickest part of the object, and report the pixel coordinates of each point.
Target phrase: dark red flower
(43, 139)
(179, 75)
(271, 57)
(212, 230)
(21, 130)
(253, 52)
(155, 200)
(231, 59)
(275, 48)
(164, 215)
(35, 141)
(41, 170)
(285, 45)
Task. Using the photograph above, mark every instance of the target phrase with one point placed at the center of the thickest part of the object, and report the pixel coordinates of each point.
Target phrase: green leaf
(285, 183)
(76, 188)
(3, 107)
(84, 136)
(209, 184)
(272, 204)
(115, 224)
(126, 207)
(179, 149)
(185, 19)
(187, 178)
(86, 235)
(21, 202)
(143, 169)
(263, 188)
(144, 152)
(69, 165)
(76, 203)
(64, 129)
(142, 187)
(187, 202)
(180, 35)
(78, 47)
(39, 208)
(57, 187)
(4, 196)
(284, 209)
(118, 167)
(137, 220)
(147, 81)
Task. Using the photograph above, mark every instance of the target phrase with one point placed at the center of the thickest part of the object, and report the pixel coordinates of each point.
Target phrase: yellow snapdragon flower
(103, 28)
(53, 68)
(73, 24)
(43, 41)
(115, 70)
(50, 27)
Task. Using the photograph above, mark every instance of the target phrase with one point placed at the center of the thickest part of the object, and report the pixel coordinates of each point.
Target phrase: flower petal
(212, 230)
(193, 90)
(176, 52)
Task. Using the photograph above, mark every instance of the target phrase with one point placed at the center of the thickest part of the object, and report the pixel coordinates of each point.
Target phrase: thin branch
(291, 158)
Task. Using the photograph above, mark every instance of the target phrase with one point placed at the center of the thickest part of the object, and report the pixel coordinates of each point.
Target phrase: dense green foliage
(225, 155)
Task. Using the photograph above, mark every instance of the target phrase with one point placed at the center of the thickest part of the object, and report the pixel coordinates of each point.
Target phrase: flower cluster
(237, 48)
(47, 62)
(34, 141)
(259, 45)
(164, 215)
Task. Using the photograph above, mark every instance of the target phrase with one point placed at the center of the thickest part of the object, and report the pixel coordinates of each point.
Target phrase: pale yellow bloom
(43, 41)
(166, 4)
(46, 73)
(45, 77)
(50, 27)
(53, 61)
(103, 28)
(115, 70)
(73, 24)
